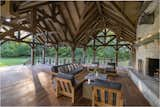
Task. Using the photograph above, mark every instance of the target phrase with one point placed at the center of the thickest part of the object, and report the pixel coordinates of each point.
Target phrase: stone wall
(150, 49)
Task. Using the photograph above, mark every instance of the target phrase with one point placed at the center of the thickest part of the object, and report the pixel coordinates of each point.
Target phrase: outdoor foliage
(14, 49)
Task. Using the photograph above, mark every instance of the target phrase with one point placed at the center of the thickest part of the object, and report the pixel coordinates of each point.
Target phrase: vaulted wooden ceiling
(72, 22)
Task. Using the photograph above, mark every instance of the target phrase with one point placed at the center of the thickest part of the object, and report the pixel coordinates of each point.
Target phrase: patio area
(80, 53)
(32, 86)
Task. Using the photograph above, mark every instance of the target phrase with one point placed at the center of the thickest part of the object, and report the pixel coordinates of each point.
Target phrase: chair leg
(73, 96)
(93, 103)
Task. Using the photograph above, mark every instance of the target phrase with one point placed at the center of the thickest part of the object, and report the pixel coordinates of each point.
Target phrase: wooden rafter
(66, 22)
(70, 16)
(125, 17)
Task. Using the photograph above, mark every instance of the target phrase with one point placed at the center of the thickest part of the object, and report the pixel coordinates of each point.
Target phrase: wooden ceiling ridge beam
(123, 15)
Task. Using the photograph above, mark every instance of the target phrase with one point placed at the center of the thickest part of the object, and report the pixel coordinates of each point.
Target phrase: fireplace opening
(153, 67)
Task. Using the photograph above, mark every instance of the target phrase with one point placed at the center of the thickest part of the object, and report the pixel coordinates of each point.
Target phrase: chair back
(64, 86)
(103, 96)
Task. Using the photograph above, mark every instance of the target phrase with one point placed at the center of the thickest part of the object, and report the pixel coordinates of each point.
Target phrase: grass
(12, 61)
(123, 63)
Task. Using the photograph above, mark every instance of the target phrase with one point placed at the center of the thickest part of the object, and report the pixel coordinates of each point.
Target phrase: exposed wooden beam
(125, 17)
(66, 22)
(26, 36)
(69, 13)
(29, 6)
(77, 10)
(98, 4)
(28, 42)
(8, 33)
(58, 34)
(17, 26)
(112, 45)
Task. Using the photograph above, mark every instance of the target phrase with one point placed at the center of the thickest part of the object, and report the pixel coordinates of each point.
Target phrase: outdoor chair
(107, 94)
(66, 85)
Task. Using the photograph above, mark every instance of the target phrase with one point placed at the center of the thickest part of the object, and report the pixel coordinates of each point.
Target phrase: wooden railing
(51, 60)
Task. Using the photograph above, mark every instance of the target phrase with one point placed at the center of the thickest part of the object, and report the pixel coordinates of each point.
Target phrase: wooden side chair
(65, 85)
(107, 94)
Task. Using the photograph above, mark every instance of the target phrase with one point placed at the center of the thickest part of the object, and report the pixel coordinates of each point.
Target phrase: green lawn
(124, 63)
(12, 61)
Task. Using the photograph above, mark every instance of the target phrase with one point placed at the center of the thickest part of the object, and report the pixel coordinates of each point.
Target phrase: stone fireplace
(148, 42)
(145, 75)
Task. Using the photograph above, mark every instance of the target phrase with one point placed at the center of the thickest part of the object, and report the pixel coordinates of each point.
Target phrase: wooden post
(94, 50)
(33, 23)
(56, 55)
(43, 55)
(84, 55)
(32, 55)
(133, 57)
(73, 54)
(94, 54)
(116, 50)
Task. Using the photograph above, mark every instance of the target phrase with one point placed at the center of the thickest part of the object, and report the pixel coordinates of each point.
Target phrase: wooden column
(133, 57)
(43, 54)
(32, 55)
(56, 55)
(84, 54)
(33, 23)
(116, 51)
(94, 50)
(73, 54)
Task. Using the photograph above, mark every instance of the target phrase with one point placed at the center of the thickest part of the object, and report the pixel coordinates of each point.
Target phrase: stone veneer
(150, 49)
